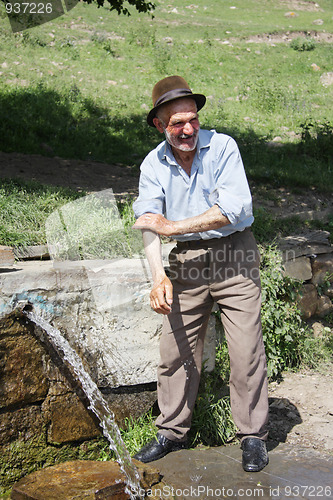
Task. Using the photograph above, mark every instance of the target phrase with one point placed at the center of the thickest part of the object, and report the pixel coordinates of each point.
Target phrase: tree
(118, 5)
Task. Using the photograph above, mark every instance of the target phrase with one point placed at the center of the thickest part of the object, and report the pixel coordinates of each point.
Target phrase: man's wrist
(178, 227)
(159, 276)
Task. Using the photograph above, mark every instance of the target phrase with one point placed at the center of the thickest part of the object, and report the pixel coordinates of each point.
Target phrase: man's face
(180, 123)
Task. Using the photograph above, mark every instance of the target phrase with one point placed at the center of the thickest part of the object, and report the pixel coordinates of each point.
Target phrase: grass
(81, 84)
(79, 87)
(24, 208)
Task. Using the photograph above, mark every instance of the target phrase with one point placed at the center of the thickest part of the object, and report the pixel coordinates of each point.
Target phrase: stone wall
(102, 309)
(309, 259)
(35, 397)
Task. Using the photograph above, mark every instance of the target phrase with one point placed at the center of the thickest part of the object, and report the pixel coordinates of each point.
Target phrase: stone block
(299, 269)
(307, 244)
(307, 300)
(32, 252)
(322, 269)
(101, 308)
(22, 376)
(73, 480)
(324, 306)
(7, 257)
(24, 423)
(68, 420)
(86, 479)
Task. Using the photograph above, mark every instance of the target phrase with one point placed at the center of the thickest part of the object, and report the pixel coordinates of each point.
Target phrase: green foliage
(283, 328)
(92, 228)
(267, 228)
(120, 5)
(317, 139)
(212, 423)
(303, 44)
(317, 353)
(269, 97)
(137, 432)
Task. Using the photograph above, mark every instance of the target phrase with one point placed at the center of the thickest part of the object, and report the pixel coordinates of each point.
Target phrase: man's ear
(158, 124)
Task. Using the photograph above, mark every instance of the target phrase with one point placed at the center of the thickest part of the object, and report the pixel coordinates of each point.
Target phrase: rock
(291, 14)
(32, 252)
(73, 480)
(318, 329)
(101, 307)
(299, 269)
(318, 22)
(322, 269)
(308, 244)
(68, 420)
(22, 375)
(7, 257)
(324, 306)
(326, 79)
(34, 394)
(23, 423)
(307, 300)
(84, 479)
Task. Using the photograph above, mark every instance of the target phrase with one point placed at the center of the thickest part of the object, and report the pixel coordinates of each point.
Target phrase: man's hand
(161, 295)
(156, 223)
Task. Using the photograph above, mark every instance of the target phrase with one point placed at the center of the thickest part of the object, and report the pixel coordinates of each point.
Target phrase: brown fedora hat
(169, 89)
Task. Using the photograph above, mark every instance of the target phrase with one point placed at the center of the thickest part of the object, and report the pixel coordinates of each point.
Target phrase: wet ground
(216, 473)
(203, 473)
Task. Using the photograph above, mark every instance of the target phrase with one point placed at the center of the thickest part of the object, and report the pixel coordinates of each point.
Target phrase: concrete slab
(216, 473)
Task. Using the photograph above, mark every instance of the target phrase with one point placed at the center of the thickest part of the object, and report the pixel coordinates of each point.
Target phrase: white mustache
(187, 136)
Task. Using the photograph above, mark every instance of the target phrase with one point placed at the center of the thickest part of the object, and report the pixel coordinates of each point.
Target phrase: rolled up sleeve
(232, 193)
(151, 196)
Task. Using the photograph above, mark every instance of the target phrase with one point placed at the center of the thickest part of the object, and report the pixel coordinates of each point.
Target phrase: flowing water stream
(97, 403)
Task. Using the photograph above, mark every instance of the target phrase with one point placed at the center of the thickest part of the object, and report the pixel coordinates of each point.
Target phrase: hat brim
(200, 100)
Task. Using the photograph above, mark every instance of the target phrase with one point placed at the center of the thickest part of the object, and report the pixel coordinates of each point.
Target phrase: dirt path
(301, 410)
(301, 406)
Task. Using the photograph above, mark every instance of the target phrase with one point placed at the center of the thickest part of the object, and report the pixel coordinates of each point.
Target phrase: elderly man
(193, 188)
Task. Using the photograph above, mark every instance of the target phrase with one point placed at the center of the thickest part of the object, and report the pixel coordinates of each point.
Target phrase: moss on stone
(20, 458)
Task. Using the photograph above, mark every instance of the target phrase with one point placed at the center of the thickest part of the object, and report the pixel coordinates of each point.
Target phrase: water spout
(97, 404)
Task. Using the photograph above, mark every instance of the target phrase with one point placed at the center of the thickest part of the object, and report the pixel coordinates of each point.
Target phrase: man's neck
(184, 158)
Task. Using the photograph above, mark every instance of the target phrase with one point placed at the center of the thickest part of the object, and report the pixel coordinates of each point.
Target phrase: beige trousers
(225, 271)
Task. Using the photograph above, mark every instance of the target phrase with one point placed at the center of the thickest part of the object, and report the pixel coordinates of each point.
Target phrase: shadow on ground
(39, 120)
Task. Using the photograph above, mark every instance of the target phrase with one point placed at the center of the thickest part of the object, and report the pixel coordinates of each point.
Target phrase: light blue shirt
(217, 177)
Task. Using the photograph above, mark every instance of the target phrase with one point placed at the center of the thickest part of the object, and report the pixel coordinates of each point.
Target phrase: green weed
(137, 432)
(303, 44)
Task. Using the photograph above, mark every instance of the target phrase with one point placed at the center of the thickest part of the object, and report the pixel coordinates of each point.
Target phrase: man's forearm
(161, 294)
(153, 250)
(211, 219)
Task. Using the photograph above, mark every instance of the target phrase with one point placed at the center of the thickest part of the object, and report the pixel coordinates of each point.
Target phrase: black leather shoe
(255, 456)
(158, 448)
